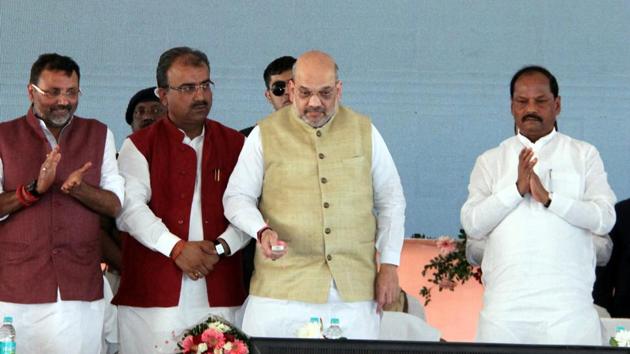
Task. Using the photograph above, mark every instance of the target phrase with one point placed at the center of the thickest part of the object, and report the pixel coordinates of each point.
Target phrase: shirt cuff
(166, 242)
(389, 257)
(509, 196)
(560, 204)
(234, 239)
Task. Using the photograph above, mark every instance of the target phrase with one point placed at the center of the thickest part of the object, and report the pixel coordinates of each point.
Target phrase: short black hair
(192, 57)
(53, 62)
(278, 66)
(553, 83)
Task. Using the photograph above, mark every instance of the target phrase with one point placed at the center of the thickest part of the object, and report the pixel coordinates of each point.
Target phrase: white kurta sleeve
(235, 238)
(136, 217)
(484, 210)
(596, 210)
(111, 180)
(240, 200)
(389, 202)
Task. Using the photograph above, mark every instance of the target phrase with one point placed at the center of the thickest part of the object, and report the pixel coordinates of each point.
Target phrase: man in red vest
(58, 174)
(179, 255)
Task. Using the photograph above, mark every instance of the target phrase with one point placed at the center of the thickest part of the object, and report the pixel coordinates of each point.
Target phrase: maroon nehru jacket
(151, 279)
(53, 243)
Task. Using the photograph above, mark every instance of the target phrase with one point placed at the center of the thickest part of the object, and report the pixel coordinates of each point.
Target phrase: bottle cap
(314, 319)
(8, 319)
(334, 320)
(620, 328)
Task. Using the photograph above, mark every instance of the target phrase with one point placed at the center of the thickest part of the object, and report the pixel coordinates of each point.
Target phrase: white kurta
(538, 265)
(64, 326)
(144, 330)
(359, 318)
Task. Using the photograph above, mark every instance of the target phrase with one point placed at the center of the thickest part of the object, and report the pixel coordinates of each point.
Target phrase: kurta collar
(540, 143)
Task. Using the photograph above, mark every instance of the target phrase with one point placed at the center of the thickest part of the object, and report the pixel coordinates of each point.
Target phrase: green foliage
(446, 271)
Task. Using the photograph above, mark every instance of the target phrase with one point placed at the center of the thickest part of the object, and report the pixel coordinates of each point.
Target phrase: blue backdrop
(433, 75)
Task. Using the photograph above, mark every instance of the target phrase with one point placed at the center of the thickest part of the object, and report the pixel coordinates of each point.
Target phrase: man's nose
(62, 100)
(314, 100)
(531, 107)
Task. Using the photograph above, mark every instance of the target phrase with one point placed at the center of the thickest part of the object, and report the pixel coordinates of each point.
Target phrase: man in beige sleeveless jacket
(317, 179)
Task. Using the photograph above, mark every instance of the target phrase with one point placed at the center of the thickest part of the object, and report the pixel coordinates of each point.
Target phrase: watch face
(219, 248)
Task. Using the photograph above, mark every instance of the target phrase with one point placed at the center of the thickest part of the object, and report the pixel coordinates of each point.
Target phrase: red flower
(188, 344)
(213, 338)
(238, 347)
(446, 245)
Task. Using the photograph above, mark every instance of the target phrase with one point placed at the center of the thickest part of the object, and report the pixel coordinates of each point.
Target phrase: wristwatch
(31, 188)
(218, 246)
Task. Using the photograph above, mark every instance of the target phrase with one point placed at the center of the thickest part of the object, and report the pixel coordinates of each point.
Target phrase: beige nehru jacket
(317, 194)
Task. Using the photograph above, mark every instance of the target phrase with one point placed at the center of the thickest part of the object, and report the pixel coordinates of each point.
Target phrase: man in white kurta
(315, 114)
(536, 199)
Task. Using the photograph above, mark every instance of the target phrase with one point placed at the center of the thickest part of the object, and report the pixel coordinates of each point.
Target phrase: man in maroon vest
(58, 174)
(178, 257)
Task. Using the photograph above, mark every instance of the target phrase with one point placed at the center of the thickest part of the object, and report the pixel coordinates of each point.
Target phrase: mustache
(59, 107)
(145, 123)
(531, 116)
(203, 104)
(315, 109)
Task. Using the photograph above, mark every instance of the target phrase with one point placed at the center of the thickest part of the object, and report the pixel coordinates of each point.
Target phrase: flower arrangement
(450, 266)
(621, 338)
(215, 335)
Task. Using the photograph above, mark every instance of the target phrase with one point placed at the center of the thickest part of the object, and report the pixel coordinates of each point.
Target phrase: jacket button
(327, 230)
(326, 205)
(329, 257)
(180, 221)
(321, 156)
(318, 133)
(324, 180)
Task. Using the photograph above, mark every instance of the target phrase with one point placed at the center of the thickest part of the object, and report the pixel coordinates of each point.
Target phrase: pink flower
(447, 284)
(188, 344)
(238, 347)
(446, 245)
(213, 338)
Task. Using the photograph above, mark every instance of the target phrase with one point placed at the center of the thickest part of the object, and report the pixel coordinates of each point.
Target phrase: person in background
(612, 284)
(276, 76)
(144, 109)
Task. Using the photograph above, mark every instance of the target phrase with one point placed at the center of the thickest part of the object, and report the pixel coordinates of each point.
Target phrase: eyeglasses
(156, 111)
(55, 93)
(190, 89)
(324, 94)
(278, 88)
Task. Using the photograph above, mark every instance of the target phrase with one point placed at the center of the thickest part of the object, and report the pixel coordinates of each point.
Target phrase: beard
(58, 116)
(323, 118)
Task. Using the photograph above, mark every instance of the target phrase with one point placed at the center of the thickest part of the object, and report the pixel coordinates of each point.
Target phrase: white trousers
(266, 317)
(62, 327)
(157, 329)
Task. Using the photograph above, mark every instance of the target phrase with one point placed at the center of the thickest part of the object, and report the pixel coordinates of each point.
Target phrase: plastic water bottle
(619, 329)
(333, 331)
(7, 336)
